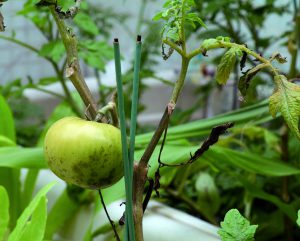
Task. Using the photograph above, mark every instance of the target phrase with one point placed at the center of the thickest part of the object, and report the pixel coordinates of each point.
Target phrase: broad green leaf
(10, 180)
(298, 219)
(86, 23)
(18, 157)
(7, 127)
(227, 64)
(35, 228)
(5, 141)
(27, 213)
(236, 228)
(286, 100)
(247, 161)
(251, 162)
(256, 114)
(63, 209)
(4, 212)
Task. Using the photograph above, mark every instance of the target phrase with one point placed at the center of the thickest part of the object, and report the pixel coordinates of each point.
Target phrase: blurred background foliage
(254, 168)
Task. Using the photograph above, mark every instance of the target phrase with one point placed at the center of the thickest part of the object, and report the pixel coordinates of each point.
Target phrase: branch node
(171, 107)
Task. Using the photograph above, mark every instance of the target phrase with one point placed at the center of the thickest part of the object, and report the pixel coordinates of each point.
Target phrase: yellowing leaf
(227, 64)
(286, 99)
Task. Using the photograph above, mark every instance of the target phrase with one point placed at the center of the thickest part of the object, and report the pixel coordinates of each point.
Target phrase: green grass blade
(10, 180)
(64, 208)
(35, 228)
(254, 114)
(18, 157)
(4, 212)
(134, 106)
(129, 224)
(29, 185)
(27, 213)
(7, 126)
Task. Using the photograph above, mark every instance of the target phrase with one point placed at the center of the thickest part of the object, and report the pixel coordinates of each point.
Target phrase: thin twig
(148, 193)
(211, 140)
(107, 214)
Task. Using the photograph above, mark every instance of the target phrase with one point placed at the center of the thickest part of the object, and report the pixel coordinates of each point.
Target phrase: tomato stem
(107, 214)
(73, 71)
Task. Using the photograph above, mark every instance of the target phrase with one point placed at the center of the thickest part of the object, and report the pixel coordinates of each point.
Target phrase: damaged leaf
(247, 76)
(286, 99)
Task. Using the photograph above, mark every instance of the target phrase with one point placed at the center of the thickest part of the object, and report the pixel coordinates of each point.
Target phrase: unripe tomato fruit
(85, 153)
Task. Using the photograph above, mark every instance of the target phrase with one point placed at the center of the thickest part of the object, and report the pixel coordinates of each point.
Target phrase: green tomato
(85, 153)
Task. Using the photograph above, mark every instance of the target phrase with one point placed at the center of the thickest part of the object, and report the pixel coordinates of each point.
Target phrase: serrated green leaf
(172, 33)
(227, 64)
(286, 100)
(236, 228)
(176, 13)
(27, 213)
(4, 212)
(194, 18)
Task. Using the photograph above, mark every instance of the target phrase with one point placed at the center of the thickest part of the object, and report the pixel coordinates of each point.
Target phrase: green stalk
(134, 106)
(129, 224)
